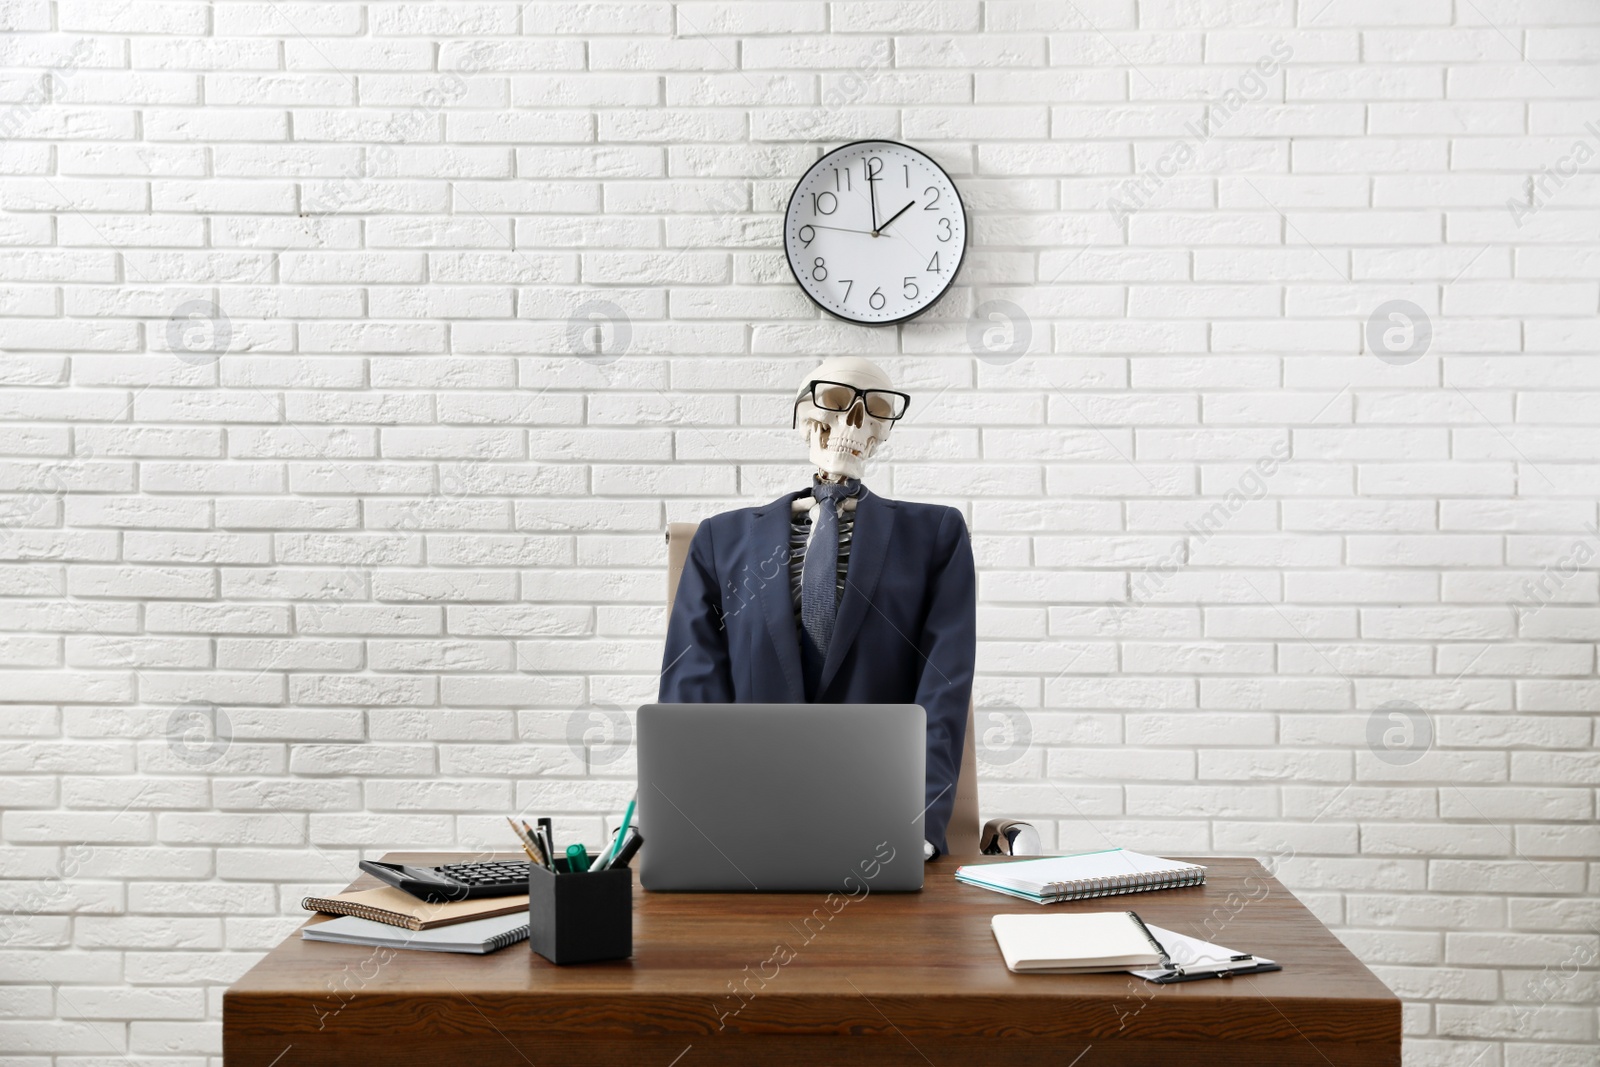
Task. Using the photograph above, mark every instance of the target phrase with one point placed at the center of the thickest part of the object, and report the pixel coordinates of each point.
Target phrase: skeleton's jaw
(845, 442)
(838, 450)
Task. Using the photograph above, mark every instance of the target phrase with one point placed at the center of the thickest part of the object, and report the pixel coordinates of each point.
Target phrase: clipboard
(1189, 959)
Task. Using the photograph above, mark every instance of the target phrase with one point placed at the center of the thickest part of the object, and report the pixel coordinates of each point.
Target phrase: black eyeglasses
(883, 404)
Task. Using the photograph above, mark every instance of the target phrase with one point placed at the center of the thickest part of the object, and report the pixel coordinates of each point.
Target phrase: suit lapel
(776, 597)
(868, 545)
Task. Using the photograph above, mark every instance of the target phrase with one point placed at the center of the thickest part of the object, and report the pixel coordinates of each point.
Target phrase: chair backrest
(962, 833)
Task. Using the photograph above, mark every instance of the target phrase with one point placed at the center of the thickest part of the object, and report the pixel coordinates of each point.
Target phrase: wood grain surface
(801, 978)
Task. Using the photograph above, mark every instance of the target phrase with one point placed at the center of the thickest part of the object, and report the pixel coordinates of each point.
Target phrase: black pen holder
(578, 917)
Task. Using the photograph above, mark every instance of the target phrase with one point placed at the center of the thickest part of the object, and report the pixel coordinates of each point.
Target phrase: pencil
(524, 842)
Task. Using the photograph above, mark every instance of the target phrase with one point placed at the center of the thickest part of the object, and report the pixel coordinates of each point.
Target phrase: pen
(539, 846)
(577, 858)
(603, 860)
(627, 849)
(1166, 960)
(540, 853)
(547, 838)
(616, 842)
(607, 858)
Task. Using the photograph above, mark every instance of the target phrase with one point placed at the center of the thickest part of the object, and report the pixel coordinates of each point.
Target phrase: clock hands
(872, 190)
(896, 215)
(873, 233)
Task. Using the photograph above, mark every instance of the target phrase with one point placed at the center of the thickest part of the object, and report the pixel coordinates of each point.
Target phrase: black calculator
(454, 881)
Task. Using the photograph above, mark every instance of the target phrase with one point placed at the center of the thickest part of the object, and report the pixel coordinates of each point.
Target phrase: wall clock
(875, 232)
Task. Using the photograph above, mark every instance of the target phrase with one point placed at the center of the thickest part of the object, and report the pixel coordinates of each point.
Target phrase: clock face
(875, 232)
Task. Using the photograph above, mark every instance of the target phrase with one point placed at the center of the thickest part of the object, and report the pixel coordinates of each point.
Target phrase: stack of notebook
(1090, 874)
(392, 918)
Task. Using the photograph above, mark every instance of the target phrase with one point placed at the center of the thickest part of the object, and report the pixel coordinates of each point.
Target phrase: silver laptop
(782, 797)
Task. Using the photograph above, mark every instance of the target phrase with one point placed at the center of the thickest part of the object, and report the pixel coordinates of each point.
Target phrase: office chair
(963, 835)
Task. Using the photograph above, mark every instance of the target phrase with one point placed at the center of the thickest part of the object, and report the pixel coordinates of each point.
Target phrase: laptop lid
(782, 797)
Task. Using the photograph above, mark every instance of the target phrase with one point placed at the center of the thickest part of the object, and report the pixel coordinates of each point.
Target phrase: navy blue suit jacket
(906, 631)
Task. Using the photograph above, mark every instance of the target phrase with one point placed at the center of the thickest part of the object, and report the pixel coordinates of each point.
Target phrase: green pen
(616, 842)
(577, 858)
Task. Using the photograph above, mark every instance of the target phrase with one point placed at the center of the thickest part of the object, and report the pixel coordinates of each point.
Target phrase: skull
(842, 441)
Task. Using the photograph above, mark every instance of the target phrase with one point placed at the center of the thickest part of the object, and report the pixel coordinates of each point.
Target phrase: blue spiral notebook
(1109, 872)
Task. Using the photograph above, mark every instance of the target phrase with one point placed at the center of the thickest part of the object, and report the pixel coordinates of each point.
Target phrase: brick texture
(354, 355)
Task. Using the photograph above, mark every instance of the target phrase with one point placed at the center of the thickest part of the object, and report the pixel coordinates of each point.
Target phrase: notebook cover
(396, 907)
(1074, 943)
(476, 937)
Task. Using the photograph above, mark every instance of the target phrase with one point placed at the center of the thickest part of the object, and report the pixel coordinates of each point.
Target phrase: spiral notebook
(1107, 873)
(477, 937)
(386, 904)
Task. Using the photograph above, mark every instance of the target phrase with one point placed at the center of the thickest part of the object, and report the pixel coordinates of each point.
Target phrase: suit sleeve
(694, 667)
(949, 647)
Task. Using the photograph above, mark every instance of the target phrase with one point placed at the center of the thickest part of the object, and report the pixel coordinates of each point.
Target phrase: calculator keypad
(491, 873)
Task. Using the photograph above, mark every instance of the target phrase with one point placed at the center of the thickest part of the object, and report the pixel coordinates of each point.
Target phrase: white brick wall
(353, 560)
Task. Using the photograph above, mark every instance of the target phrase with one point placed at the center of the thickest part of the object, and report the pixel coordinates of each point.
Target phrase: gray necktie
(819, 581)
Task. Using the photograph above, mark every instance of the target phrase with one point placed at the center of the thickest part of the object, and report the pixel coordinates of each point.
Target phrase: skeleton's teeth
(844, 444)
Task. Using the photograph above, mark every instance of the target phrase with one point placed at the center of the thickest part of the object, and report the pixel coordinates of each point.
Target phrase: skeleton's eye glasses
(883, 404)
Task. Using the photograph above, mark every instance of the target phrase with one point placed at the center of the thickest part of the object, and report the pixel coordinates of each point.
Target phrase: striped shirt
(799, 534)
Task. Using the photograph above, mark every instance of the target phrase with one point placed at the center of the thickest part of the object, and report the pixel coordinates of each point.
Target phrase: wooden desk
(910, 978)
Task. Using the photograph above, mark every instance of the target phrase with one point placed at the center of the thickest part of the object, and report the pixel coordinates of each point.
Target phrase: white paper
(1195, 956)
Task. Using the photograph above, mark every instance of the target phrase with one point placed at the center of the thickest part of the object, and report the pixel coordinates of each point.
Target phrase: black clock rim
(953, 273)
